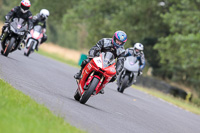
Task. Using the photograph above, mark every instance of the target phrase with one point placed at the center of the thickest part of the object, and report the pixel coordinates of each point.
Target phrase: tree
(179, 51)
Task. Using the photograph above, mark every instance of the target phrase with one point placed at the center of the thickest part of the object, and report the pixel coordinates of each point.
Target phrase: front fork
(99, 84)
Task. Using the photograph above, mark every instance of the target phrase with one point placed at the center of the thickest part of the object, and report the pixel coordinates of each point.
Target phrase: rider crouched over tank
(40, 19)
(21, 11)
(114, 45)
(137, 51)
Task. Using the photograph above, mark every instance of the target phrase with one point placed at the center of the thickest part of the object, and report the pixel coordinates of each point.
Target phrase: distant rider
(113, 45)
(40, 19)
(21, 11)
(137, 51)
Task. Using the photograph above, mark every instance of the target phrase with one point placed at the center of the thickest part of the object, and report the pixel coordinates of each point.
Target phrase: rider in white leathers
(137, 51)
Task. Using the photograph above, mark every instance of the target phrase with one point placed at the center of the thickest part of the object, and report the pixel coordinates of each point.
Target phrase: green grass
(20, 114)
(58, 58)
(176, 101)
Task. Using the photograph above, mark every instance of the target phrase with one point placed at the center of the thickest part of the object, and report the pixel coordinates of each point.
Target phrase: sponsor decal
(112, 69)
(89, 66)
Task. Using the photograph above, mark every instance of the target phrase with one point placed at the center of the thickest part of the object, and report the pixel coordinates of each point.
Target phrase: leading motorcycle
(129, 73)
(95, 75)
(13, 35)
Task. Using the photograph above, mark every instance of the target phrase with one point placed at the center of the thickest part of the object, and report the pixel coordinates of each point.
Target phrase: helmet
(138, 49)
(44, 13)
(25, 5)
(119, 39)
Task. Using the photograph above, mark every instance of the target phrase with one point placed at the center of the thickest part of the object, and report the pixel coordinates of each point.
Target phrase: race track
(51, 83)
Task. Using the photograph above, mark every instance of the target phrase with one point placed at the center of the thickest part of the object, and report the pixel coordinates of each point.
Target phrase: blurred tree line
(169, 30)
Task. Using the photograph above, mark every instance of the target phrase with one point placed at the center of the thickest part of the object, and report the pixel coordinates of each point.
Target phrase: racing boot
(19, 47)
(78, 75)
(36, 48)
(101, 91)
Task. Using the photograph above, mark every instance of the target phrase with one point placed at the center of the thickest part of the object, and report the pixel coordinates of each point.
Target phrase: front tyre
(123, 84)
(86, 95)
(9, 46)
(30, 48)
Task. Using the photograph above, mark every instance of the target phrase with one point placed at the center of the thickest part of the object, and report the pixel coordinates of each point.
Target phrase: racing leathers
(104, 45)
(17, 13)
(37, 20)
(140, 58)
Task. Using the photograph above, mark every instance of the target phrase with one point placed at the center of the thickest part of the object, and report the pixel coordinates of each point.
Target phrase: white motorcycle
(129, 74)
(33, 39)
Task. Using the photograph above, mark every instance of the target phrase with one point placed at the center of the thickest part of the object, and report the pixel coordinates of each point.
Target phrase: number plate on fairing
(98, 61)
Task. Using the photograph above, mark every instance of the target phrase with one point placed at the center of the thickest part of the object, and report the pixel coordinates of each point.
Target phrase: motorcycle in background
(129, 74)
(33, 40)
(13, 35)
(95, 75)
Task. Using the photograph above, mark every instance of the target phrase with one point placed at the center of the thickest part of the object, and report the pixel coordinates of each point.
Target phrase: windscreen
(19, 24)
(38, 28)
(108, 59)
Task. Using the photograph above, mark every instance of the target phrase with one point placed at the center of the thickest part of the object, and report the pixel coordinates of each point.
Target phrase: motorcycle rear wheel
(86, 95)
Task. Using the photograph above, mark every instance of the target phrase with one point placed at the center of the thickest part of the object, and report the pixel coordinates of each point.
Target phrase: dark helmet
(25, 5)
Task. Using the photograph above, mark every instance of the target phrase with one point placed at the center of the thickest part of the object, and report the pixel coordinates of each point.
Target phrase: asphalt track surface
(51, 83)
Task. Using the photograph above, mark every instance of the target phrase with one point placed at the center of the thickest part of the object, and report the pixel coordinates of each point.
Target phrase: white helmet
(44, 13)
(138, 48)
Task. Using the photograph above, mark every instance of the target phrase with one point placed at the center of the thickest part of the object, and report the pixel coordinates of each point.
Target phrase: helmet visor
(118, 42)
(138, 51)
(24, 7)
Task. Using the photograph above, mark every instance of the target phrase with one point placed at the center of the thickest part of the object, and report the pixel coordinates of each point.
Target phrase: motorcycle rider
(137, 51)
(113, 45)
(40, 19)
(21, 11)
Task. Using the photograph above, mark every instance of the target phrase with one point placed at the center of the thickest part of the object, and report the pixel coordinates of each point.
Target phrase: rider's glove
(5, 25)
(44, 30)
(7, 19)
(97, 54)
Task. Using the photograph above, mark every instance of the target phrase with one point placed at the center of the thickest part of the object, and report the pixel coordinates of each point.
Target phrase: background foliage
(169, 30)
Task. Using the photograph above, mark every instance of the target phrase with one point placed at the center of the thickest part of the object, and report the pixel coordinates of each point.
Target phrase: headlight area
(20, 33)
(16, 31)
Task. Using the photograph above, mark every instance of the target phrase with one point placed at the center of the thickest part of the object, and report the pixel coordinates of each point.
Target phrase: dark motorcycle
(33, 40)
(13, 35)
(129, 73)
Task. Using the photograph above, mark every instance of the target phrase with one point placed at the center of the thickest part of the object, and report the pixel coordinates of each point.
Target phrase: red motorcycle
(95, 75)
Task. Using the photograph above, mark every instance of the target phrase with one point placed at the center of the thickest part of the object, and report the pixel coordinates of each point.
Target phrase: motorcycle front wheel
(86, 95)
(30, 48)
(9, 45)
(124, 84)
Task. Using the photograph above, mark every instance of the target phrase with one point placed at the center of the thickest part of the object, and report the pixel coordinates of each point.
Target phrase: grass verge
(20, 114)
(176, 101)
